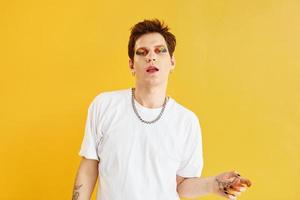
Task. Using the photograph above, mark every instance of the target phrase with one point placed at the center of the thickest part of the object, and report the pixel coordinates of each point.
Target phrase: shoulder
(185, 113)
(108, 96)
(186, 121)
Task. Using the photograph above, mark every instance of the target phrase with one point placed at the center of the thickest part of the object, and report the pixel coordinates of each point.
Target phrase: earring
(133, 73)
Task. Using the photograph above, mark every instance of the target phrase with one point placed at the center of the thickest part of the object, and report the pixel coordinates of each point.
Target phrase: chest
(129, 142)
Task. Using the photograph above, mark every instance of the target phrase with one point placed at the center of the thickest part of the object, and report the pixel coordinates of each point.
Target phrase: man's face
(151, 50)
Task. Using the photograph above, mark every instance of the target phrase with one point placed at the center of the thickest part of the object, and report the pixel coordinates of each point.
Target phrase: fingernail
(237, 193)
(244, 185)
(232, 198)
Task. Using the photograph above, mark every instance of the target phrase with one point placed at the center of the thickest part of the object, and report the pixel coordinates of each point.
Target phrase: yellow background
(237, 69)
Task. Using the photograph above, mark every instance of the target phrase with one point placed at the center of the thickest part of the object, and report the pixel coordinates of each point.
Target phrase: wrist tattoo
(76, 192)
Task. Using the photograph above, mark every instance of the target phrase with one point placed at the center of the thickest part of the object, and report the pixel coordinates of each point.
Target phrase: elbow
(186, 189)
(183, 192)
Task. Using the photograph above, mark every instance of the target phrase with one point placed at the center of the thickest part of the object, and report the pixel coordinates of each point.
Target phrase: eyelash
(145, 52)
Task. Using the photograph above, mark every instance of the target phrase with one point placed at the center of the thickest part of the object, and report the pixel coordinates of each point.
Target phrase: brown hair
(150, 26)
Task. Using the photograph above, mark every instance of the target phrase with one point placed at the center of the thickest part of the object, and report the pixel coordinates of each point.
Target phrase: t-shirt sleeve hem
(88, 156)
(189, 173)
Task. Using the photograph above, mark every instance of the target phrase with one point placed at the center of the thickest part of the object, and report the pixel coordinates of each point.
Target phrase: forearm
(84, 183)
(195, 187)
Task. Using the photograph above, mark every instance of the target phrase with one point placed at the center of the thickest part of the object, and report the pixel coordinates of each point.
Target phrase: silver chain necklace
(137, 114)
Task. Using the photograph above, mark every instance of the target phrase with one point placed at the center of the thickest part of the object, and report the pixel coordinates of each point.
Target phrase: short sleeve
(192, 160)
(92, 134)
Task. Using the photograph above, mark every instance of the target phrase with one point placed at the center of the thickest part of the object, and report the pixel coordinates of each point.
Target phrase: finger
(235, 188)
(240, 188)
(245, 181)
(234, 173)
(231, 179)
(234, 192)
(233, 182)
(234, 179)
(230, 195)
(228, 192)
(242, 182)
(222, 193)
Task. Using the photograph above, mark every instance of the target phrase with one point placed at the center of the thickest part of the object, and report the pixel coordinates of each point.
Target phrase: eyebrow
(161, 45)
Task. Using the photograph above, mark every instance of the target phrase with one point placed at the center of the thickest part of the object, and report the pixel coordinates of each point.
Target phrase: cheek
(139, 61)
(166, 63)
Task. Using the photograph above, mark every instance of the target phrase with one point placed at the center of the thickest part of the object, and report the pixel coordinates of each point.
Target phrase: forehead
(150, 40)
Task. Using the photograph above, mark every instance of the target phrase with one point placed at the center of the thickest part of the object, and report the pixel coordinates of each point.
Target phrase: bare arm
(227, 184)
(194, 187)
(86, 178)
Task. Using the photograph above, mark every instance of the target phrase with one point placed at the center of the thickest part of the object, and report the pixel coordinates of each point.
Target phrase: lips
(152, 69)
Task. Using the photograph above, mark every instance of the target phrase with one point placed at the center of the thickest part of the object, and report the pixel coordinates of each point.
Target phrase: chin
(156, 82)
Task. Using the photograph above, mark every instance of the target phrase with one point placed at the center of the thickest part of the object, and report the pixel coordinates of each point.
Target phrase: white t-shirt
(139, 161)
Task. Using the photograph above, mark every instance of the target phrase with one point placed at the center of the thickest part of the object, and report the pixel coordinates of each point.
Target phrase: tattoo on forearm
(76, 192)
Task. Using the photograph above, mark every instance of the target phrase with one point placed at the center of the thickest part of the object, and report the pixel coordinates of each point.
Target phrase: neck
(150, 97)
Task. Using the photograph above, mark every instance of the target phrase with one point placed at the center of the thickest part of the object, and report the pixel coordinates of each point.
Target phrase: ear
(173, 61)
(130, 64)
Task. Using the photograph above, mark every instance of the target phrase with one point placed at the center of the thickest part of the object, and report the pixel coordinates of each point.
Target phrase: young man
(143, 144)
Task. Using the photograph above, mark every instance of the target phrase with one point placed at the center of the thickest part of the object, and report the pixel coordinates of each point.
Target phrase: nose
(151, 57)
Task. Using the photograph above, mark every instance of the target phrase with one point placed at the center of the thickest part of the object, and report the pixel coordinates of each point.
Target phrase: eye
(161, 50)
(141, 52)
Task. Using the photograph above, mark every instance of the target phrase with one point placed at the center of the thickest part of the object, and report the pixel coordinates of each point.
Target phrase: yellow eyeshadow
(140, 51)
